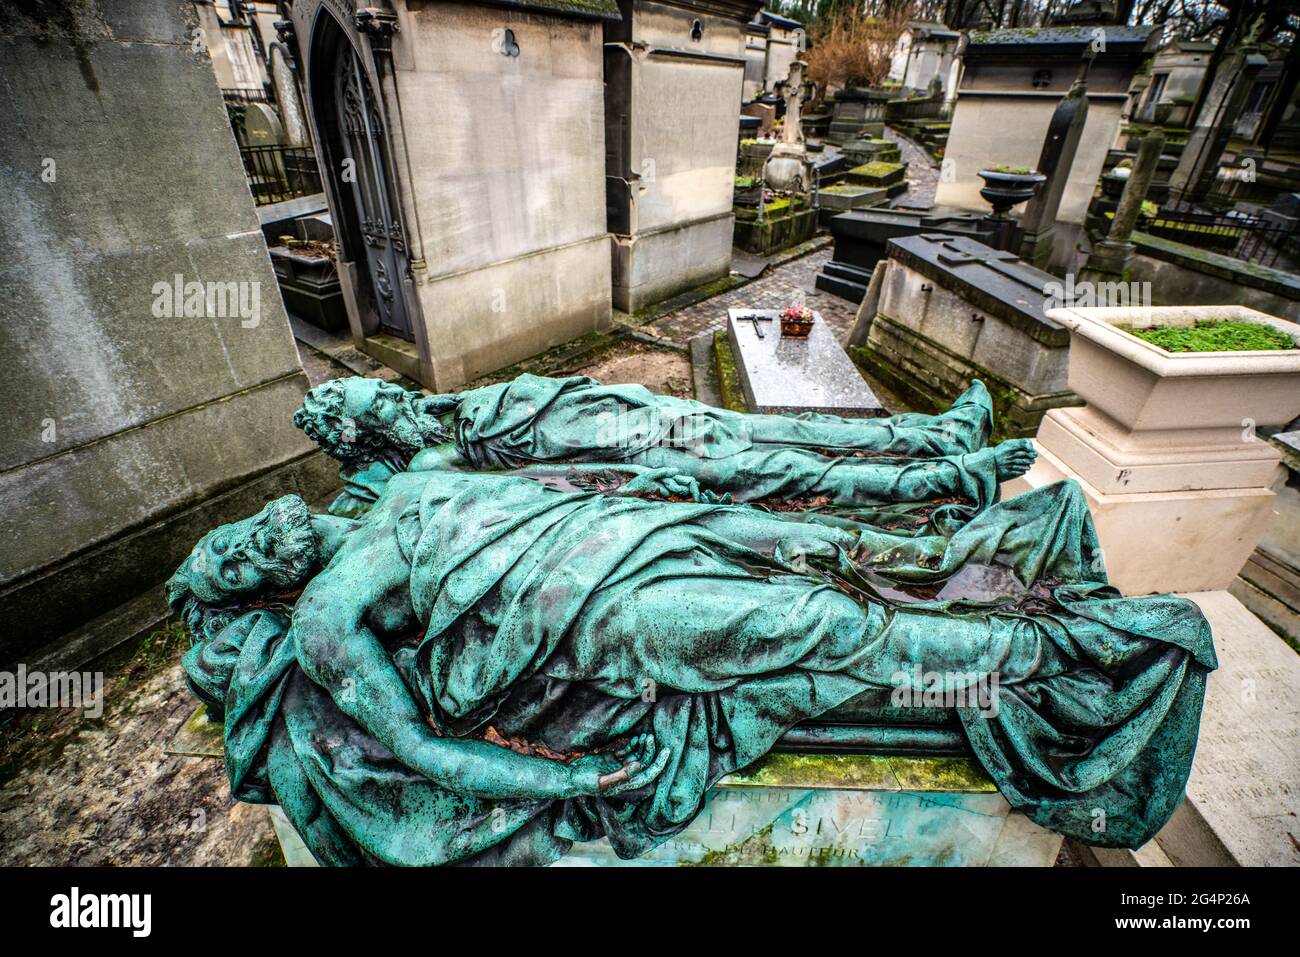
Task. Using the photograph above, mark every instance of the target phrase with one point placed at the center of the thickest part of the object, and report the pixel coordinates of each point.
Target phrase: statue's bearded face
(359, 419)
(386, 410)
(271, 552)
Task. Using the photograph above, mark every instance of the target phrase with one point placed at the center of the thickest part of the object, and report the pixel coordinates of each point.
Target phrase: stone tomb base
(1171, 518)
(830, 811)
(848, 811)
(952, 310)
(787, 375)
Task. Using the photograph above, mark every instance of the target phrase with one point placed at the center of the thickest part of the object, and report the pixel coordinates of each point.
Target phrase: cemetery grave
(1098, 221)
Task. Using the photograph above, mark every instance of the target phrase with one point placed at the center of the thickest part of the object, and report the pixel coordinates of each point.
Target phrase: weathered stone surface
(1245, 784)
(669, 170)
(827, 810)
(124, 416)
(842, 198)
(861, 237)
(797, 375)
(951, 310)
(994, 121)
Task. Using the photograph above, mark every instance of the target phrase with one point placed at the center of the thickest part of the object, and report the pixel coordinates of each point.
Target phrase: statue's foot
(1013, 458)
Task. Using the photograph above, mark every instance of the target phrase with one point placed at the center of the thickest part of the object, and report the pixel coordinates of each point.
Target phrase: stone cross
(1114, 254)
(792, 128)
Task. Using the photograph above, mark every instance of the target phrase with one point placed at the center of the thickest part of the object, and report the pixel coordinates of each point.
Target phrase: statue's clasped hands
(667, 482)
(628, 768)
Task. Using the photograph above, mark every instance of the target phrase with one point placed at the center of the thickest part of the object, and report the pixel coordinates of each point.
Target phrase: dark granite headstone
(785, 375)
(860, 239)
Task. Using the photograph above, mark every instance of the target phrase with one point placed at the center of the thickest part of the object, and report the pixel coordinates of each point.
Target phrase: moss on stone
(876, 169)
(941, 774)
(830, 771)
(1210, 335)
(724, 362)
(267, 853)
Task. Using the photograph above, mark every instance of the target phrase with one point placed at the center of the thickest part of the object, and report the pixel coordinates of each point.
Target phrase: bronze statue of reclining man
(376, 429)
(646, 649)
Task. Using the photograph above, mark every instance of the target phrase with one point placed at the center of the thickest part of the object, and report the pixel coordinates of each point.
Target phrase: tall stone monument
(1198, 165)
(1011, 86)
(1113, 256)
(787, 164)
(1038, 223)
(673, 77)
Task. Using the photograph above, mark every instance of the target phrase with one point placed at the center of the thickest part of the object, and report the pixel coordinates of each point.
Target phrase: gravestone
(879, 175)
(860, 239)
(861, 151)
(765, 113)
(262, 125)
(286, 94)
(839, 199)
(857, 113)
(951, 310)
(785, 375)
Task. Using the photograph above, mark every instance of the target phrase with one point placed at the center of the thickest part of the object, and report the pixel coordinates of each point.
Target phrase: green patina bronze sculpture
(519, 631)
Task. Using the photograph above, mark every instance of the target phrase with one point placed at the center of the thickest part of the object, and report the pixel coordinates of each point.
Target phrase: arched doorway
(354, 149)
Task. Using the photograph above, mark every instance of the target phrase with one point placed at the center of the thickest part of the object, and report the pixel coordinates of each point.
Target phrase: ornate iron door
(365, 175)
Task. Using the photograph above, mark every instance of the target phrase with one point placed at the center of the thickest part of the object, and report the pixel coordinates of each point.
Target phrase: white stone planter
(1145, 388)
(1165, 450)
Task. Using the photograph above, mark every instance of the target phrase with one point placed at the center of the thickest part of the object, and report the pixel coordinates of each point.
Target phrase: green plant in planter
(1014, 170)
(1215, 335)
(745, 182)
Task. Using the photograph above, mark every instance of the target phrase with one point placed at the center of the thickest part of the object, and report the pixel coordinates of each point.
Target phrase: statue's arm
(339, 652)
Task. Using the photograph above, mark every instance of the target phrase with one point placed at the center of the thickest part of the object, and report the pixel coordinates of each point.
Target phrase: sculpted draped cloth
(532, 419)
(575, 619)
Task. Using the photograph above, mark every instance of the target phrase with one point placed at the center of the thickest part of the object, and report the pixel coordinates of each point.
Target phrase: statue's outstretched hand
(668, 482)
(631, 767)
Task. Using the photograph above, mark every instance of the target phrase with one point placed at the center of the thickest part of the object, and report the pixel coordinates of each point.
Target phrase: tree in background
(852, 50)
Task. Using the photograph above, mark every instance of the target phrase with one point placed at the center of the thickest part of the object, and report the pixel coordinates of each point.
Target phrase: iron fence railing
(1243, 233)
(241, 95)
(277, 173)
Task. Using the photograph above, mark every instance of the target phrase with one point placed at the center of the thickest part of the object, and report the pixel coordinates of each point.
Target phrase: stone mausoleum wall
(674, 73)
(129, 432)
(506, 180)
(1011, 84)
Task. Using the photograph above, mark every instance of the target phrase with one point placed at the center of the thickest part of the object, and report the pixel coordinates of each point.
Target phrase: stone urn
(787, 168)
(1005, 188)
(1165, 450)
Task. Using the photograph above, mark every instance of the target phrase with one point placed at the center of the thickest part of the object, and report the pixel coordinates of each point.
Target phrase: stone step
(1243, 799)
(844, 288)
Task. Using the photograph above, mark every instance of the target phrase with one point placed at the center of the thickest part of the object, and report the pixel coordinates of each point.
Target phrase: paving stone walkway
(779, 287)
(922, 174)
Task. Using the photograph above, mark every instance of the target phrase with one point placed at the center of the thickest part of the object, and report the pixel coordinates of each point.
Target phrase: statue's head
(270, 553)
(361, 420)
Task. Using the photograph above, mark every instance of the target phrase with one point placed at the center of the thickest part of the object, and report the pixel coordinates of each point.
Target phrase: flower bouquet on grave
(796, 322)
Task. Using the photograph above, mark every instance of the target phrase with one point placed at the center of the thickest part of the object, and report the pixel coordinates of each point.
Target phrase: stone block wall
(133, 425)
